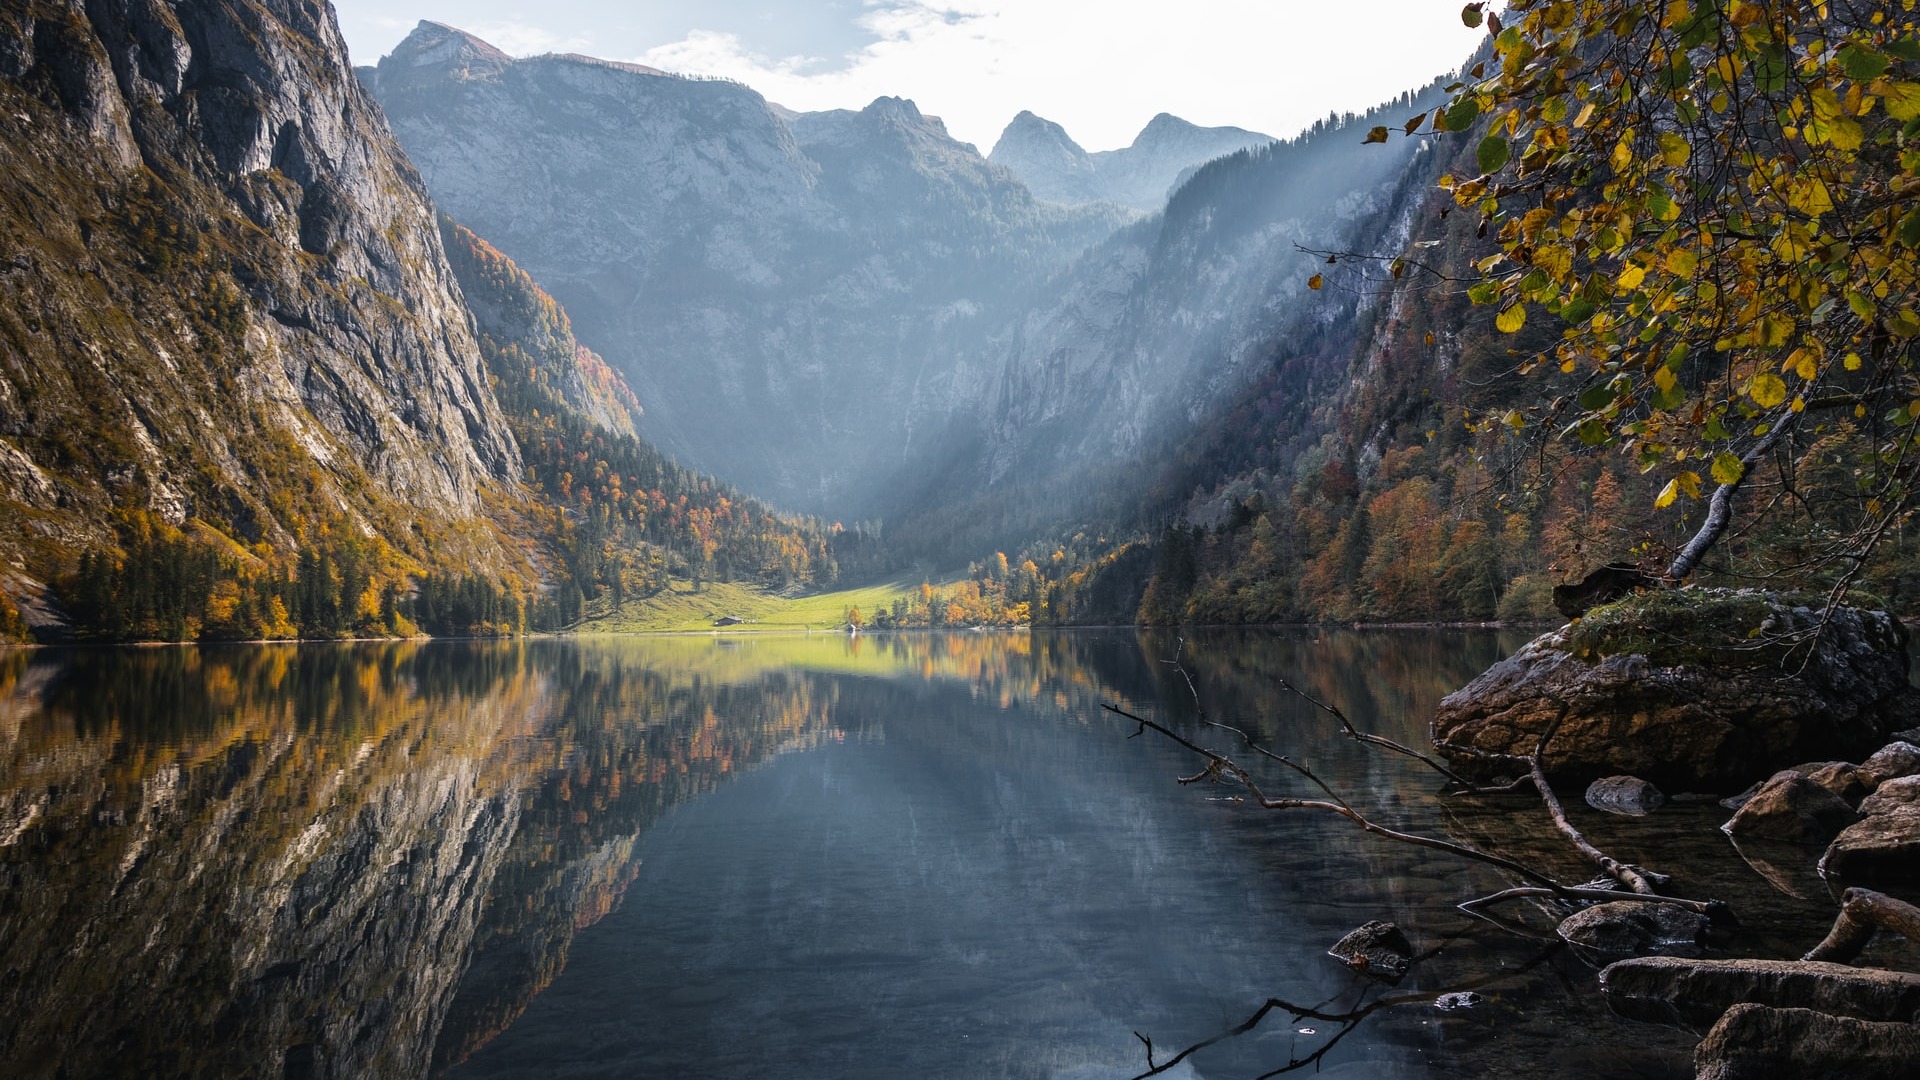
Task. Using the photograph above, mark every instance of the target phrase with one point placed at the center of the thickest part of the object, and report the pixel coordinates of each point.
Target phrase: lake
(920, 855)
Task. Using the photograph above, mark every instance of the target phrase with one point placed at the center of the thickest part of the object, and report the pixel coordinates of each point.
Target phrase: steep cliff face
(794, 296)
(1174, 316)
(223, 297)
(1142, 176)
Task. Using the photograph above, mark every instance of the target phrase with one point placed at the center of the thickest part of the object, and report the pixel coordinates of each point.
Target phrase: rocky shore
(1808, 714)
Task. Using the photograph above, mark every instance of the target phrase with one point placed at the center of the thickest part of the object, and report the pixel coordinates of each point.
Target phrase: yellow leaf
(1511, 319)
(1804, 364)
(1631, 277)
(1799, 404)
(1586, 114)
(1852, 362)
(1902, 99)
(1681, 262)
(1664, 378)
(1674, 149)
(1514, 420)
(1667, 495)
(1767, 390)
(1811, 197)
(1316, 281)
(1622, 154)
(1689, 483)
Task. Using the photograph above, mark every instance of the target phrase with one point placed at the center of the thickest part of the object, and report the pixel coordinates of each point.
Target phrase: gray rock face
(797, 298)
(1790, 806)
(1898, 793)
(1754, 1042)
(269, 300)
(1626, 795)
(1696, 993)
(1634, 928)
(1167, 150)
(1686, 717)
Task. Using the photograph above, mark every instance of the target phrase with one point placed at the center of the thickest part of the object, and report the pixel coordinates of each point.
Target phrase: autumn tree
(1716, 202)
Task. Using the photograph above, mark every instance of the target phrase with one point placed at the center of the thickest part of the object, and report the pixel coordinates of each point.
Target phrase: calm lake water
(911, 856)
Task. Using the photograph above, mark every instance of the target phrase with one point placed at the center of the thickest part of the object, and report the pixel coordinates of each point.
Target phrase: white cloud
(1103, 69)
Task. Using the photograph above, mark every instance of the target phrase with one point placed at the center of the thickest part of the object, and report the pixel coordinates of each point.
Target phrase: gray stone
(1379, 949)
(1626, 795)
(1695, 993)
(1892, 761)
(1663, 687)
(1755, 1042)
(1634, 928)
(1791, 807)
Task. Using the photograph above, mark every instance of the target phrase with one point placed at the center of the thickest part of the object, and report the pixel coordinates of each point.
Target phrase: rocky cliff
(795, 297)
(223, 299)
(1142, 175)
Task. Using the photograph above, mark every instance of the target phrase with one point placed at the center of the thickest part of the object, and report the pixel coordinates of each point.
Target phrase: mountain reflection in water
(376, 860)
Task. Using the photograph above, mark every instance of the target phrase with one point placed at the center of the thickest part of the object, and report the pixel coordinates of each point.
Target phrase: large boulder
(1695, 993)
(1755, 1042)
(1689, 688)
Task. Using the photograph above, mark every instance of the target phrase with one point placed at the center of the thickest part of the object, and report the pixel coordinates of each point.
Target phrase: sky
(1100, 68)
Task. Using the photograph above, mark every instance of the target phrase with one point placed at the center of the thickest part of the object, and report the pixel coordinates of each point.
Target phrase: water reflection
(940, 857)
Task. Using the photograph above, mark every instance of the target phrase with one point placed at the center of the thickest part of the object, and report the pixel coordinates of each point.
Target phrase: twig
(1219, 766)
(1350, 1019)
(1357, 735)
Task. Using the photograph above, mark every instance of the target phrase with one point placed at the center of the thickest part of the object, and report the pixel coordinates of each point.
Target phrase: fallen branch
(1633, 877)
(1863, 911)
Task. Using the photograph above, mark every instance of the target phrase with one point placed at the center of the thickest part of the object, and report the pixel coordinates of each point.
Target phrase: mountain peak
(433, 44)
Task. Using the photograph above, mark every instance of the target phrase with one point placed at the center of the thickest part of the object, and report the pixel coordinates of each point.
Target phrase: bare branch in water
(1221, 767)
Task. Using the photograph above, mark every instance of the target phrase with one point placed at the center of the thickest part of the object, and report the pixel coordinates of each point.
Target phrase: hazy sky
(1101, 68)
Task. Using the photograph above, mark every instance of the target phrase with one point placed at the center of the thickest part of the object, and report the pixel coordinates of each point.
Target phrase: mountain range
(222, 254)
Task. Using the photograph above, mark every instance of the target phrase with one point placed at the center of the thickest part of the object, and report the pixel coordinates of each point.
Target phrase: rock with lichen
(1689, 688)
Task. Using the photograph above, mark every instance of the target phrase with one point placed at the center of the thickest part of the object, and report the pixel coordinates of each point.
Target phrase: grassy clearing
(679, 609)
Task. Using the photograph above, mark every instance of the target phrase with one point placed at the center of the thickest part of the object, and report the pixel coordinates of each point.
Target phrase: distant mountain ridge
(796, 297)
(1141, 176)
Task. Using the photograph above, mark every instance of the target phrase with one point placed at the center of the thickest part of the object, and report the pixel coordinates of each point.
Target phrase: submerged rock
(1627, 795)
(1634, 928)
(1791, 807)
(1379, 949)
(1688, 688)
(1755, 1042)
(1696, 993)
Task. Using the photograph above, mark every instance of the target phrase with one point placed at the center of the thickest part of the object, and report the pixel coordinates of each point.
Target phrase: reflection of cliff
(333, 861)
(243, 861)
